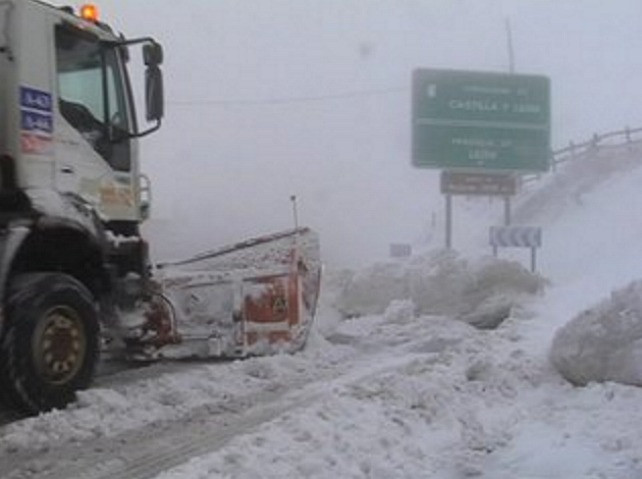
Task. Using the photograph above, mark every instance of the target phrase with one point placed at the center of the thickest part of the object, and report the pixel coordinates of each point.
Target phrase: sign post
(449, 221)
(507, 212)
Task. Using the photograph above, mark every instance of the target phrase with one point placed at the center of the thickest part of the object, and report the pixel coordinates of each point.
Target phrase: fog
(272, 98)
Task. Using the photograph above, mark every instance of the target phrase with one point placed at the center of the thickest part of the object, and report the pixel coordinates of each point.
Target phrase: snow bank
(414, 408)
(603, 343)
(481, 292)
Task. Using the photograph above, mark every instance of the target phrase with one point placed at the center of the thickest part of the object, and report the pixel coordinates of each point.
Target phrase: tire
(50, 345)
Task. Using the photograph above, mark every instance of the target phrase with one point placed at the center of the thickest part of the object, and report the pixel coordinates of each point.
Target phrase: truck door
(93, 156)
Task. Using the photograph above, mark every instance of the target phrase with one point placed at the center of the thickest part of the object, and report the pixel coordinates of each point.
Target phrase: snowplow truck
(76, 282)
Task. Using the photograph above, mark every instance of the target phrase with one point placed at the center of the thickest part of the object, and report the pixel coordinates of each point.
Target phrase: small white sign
(516, 236)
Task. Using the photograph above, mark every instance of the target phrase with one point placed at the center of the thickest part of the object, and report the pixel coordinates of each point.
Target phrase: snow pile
(435, 397)
(481, 292)
(413, 409)
(603, 343)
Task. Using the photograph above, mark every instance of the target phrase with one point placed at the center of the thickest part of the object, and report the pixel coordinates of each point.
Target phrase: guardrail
(574, 150)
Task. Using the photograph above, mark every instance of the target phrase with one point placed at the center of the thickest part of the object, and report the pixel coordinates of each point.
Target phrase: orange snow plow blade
(251, 298)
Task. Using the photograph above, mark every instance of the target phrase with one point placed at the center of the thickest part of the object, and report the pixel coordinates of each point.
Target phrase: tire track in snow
(146, 453)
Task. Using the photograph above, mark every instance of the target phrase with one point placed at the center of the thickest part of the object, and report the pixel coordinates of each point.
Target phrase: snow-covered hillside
(397, 381)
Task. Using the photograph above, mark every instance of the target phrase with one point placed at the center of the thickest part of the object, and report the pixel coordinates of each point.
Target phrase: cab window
(91, 94)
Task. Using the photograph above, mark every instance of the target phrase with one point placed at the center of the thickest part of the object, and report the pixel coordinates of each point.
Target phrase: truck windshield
(90, 89)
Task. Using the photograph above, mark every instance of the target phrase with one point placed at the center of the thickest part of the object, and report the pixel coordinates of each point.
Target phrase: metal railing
(576, 150)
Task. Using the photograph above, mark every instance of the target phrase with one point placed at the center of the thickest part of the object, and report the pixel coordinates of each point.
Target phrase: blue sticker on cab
(32, 121)
(34, 99)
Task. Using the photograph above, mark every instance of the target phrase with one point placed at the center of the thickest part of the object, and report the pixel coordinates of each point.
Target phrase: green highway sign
(480, 121)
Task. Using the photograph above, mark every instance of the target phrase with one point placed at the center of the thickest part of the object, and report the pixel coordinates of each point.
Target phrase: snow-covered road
(394, 382)
(365, 401)
(140, 428)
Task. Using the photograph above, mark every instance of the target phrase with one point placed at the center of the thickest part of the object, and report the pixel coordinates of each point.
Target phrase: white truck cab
(67, 108)
(71, 194)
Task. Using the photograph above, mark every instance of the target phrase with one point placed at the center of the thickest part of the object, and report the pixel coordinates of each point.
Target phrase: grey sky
(230, 153)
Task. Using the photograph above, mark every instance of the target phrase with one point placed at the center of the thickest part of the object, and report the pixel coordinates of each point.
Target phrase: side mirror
(154, 100)
(153, 54)
(152, 57)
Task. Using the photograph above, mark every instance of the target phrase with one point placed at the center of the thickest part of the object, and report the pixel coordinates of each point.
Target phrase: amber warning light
(89, 12)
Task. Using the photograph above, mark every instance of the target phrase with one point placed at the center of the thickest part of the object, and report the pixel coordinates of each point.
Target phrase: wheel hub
(59, 345)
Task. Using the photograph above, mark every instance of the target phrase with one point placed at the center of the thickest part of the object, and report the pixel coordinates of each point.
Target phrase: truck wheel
(50, 346)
